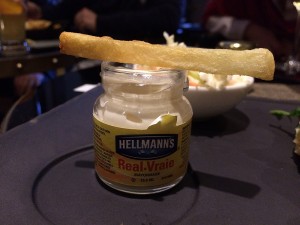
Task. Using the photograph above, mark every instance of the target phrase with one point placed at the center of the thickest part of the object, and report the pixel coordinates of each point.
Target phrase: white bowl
(209, 102)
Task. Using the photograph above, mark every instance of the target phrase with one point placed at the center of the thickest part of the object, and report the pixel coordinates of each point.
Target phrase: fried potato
(37, 24)
(258, 63)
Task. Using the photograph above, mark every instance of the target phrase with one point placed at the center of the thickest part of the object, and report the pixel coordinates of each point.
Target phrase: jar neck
(132, 84)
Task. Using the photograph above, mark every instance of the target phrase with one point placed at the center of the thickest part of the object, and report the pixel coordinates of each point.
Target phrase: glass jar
(142, 126)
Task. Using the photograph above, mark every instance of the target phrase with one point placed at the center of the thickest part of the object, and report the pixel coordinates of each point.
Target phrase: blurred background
(35, 77)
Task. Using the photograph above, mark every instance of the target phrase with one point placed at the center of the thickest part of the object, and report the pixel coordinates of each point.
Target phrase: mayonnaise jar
(142, 126)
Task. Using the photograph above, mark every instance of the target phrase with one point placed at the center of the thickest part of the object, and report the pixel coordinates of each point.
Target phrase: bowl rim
(236, 86)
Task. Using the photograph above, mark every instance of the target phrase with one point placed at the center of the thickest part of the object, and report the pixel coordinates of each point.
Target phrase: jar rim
(130, 68)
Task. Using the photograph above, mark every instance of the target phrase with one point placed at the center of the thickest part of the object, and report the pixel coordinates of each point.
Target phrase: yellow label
(151, 157)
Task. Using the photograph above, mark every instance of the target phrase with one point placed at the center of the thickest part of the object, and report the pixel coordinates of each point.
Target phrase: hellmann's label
(155, 156)
(146, 146)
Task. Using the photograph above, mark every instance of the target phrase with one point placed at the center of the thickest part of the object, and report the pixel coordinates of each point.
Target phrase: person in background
(21, 84)
(120, 19)
(26, 82)
(144, 20)
(267, 23)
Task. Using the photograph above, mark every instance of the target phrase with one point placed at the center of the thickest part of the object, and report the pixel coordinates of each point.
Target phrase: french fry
(258, 63)
(37, 24)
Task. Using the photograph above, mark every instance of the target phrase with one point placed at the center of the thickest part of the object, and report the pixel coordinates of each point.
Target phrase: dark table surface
(242, 171)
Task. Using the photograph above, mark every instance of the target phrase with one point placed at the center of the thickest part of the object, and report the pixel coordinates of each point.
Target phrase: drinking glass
(12, 28)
